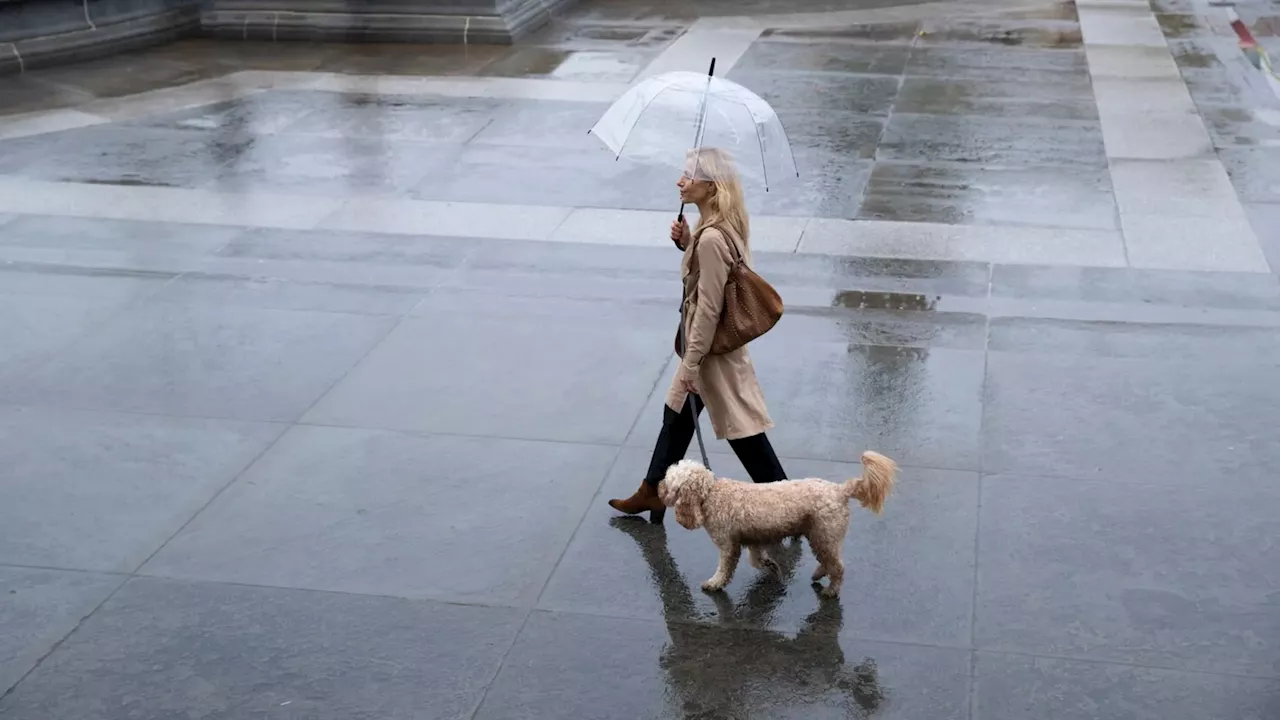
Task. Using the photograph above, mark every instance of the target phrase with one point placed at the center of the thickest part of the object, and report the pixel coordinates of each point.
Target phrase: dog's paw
(818, 574)
(713, 585)
(830, 592)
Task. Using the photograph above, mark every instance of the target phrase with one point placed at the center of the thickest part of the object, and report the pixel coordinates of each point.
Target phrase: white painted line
(158, 204)
(1178, 209)
(1133, 27)
(16, 126)
(1193, 243)
(1130, 63)
(826, 236)
(423, 217)
(726, 40)
(985, 243)
(449, 86)
(650, 228)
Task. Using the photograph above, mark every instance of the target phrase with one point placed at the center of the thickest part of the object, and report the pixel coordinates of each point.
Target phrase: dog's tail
(878, 473)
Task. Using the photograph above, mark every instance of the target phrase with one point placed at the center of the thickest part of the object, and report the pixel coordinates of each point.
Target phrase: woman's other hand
(687, 379)
(680, 233)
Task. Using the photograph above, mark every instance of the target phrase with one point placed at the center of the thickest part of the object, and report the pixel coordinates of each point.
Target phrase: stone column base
(40, 33)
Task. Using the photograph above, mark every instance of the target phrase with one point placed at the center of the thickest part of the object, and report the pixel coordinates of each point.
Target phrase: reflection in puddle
(735, 667)
(1177, 25)
(864, 300)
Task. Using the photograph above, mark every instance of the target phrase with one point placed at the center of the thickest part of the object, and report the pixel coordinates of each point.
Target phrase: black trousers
(755, 452)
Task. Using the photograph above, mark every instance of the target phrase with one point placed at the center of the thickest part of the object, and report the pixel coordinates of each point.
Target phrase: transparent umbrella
(654, 122)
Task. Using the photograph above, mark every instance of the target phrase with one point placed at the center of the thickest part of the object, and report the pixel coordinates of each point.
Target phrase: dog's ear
(689, 510)
(686, 485)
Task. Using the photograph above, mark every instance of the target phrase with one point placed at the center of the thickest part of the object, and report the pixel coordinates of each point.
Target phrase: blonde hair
(728, 208)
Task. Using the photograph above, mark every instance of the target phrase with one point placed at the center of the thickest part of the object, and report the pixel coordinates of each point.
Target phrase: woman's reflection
(735, 667)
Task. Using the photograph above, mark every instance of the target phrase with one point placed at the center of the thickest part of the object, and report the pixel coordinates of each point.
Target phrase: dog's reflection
(736, 667)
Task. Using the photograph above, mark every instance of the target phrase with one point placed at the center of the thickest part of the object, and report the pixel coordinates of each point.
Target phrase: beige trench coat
(727, 383)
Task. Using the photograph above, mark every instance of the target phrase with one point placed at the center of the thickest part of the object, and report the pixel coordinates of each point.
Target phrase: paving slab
(229, 362)
(967, 194)
(1254, 173)
(320, 510)
(410, 383)
(40, 608)
(1131, 286)
(1178, 243)
(1011, 686)
(332, 167)
(1116, 25)
(680, 670)
(992, 141)
(102, 491)
(276, 294)
(1266, 226)
(907, 593)
(1155, 406)
(35, 326)
(836, 387)
(140, 238)
(1061, 34)
(1035, 67)
(549, 175)
(1150, 593)
(147, 157)
(1011, 98)
(869, 94)
(936, 241)
(223, 651)
(163, 204)
(421, 119)
(836, 57)
(1119, 61)
(616, 65)
(108, 288)
(262, 113)
(544, 124)
(1155, 135)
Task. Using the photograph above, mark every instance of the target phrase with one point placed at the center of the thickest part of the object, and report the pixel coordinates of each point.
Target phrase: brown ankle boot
(646, 498)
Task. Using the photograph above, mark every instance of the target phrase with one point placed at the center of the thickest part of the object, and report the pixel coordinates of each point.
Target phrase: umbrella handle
(697, 136)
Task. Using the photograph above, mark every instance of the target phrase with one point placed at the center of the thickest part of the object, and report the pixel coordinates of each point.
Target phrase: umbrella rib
(764, 161)
(639, 114)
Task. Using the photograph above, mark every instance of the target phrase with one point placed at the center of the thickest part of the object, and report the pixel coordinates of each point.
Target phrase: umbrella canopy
(656, 120)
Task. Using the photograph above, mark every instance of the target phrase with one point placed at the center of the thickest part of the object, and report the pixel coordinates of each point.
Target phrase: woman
(725, 383)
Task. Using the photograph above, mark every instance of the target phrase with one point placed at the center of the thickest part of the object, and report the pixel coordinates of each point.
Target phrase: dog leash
(689, 399)
(697, 430)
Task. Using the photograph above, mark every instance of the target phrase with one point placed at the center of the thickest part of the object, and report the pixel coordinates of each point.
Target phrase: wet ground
(315, 379)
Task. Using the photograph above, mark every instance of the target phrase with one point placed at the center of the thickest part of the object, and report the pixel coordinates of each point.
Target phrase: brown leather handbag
(751, 308)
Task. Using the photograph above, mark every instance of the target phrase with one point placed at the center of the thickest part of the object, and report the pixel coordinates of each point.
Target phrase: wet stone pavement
(318, 364)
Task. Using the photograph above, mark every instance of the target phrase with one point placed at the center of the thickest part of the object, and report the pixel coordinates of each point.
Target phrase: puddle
(1177, 25)
(1195, 59)
(871, 300)
(1064, 35)
(883, 32)
(125, 181)
(1057, 11)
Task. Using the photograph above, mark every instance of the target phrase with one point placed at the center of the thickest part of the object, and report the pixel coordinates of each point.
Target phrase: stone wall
(37, 33)
(451, 21)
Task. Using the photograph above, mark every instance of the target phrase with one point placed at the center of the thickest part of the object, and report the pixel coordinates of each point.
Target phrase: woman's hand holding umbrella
(680, 234)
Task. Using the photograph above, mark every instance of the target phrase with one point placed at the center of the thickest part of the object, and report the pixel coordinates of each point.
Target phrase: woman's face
(694, 191)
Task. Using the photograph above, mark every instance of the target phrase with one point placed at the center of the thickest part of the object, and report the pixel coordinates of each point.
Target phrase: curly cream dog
(762, 515)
